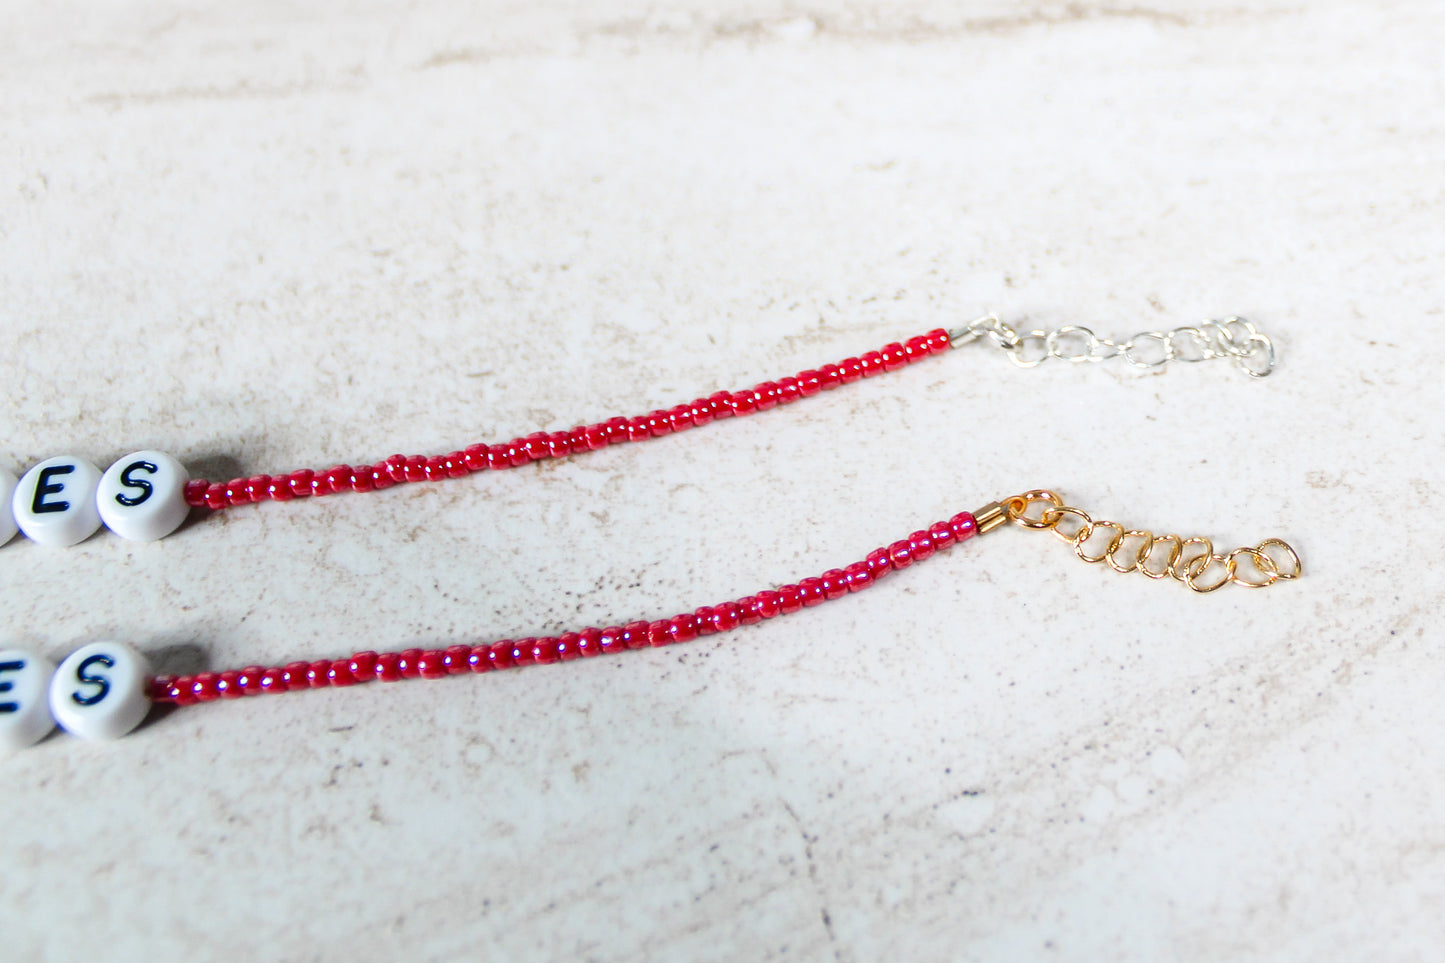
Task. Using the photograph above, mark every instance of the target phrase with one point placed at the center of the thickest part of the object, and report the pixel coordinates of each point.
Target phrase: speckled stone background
(271, 235)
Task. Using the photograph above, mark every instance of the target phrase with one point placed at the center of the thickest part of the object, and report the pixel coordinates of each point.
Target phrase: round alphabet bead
(143, 496)
(54, 503)
(24, 704)
(99, 691)
(7, 514)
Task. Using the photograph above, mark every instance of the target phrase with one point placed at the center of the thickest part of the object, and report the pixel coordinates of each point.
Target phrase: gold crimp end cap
(989, 517)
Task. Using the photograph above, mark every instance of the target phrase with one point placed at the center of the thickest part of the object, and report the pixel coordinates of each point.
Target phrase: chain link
(1192, 561)
(1233, 339)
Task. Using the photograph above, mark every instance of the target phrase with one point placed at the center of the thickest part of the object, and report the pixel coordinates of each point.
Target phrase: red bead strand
(184, 690)
(400, 469)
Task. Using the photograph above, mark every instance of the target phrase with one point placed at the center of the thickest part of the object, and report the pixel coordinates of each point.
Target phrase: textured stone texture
(263, 236)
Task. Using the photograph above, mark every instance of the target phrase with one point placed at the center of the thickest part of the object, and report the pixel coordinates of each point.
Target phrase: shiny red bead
(362, 479)
(480, 658)
(895, 356)
(273, 680)
(558, 444)
(567, 647)
(300, 482)
(195, 492)
(475, 457)
(180, 693)
(589, 642)
(835, 583)
(900, 553)
(920, 545)
(702, 413)
(726, 616)
(659, 423)
(363, 666)
(721, 403)
(658, 634)
(788, 391)
(767, 395)
(769, 604)
(523, 651)
(388, 667)
(851, 369)
(500, 654)
(858, 576)
(544, 651)
(406, 664)
(743, 402)
(294, 675)
(748, 610)
(381, 478)
(872, 364)
(204, 686)
(879, 563)
(610, 640)
(682, 628)
(703, 620)
(830, 376)
(942, 534)
(790, 599)
(938, 340)
(812, 591)
(964, 526)
(594, 437)
(616, 430)
(679, 417)
(318, 674)
(916, 349)
(339, 674)
(228, 685)
(216, 497)
(431, 664)
(455, 659)
(634, 635)
(810, 383)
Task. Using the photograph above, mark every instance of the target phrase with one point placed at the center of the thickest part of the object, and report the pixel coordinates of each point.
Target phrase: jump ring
(1106, 553)
(1018, 507)
(1263, 562)
(1180, 566)
(1199, 564)
(1293, 571)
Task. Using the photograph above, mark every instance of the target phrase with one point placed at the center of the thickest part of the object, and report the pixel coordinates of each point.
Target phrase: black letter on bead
(6, 687)
(43, 487)
(99, 680)
(140, 483)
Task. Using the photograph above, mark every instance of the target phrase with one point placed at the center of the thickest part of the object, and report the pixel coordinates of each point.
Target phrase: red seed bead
(407, 663)
(682, 628)
(938, 340)
(544, 651)
(517, 452)
(726, 616)
(634, 635)
(900, 553)
(522, 651)
(769, 604)
(475, 457)
(916, 349)
(702, 413)
(616, 430)
(577, 439)
(835, 583)
(812, 591)
(497, 458)
(594, 437)
(388, 667)
(920, 545)
(480, 658)
(703, 619)
(339, 674)
(300, 482)
(788, 391)
(610, 640)
(248, 680)
(748, 610)
(657, 634)
(879, 563)
(964, 526)
(216, 497)
(743, 402)
(851, 369)
(158, 687)
(830, 376)
(195, 492)
(180, 692)
(272, 680)
(395, 468)
(363, 666)
(500, 654)
(567, 647)
(679, 417)
(279, 489)
(894, 356)
(235, 491)
(204, 686)
(258, 487)
(859, 576)
(456, 464)
(294, 675)
(790, 599)
(381, 478)
(767, 395)
(721, 403)
(454, 659)
(318, 674)
(362, 479)
(589, 642)
(942, 534)
(431, 665)
(659, 424)
(810, 383)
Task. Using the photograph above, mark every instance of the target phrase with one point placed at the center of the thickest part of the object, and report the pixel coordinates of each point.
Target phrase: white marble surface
(267, 235)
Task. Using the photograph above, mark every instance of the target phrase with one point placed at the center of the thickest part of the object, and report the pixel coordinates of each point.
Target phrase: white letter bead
(24, 707)
(99, 691)
(143, 496)
(7, 514)
(54, 503)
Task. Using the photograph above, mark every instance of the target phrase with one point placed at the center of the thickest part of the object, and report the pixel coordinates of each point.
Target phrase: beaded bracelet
(104, 690)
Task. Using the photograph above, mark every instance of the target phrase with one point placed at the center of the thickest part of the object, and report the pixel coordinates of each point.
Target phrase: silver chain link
(1233, 339)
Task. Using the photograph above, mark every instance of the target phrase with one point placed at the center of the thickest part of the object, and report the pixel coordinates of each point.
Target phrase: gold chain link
(1192, 561)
